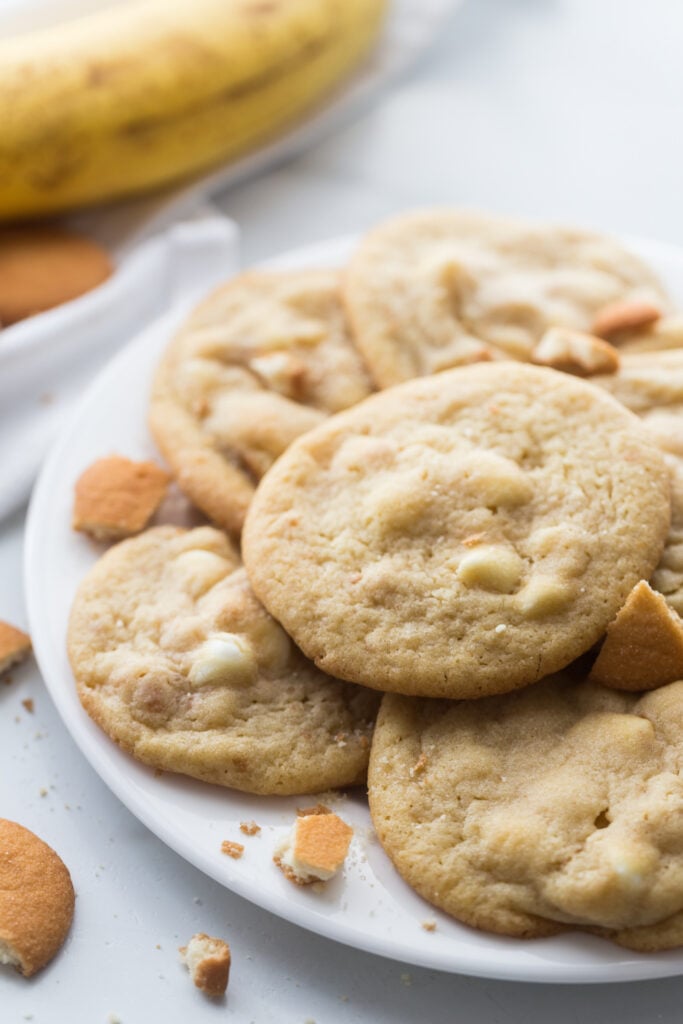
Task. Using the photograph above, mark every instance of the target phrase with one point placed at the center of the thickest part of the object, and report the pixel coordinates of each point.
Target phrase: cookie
(557, 807)
(264, 359)
(462, 534)
(425, 289)
(643, 647)
(43, 266)
(36, 899)
(116, 498)
(179, 663)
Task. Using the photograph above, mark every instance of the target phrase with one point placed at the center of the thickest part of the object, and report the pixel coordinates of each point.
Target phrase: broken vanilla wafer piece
(116, 497)
(315, 848)
(624, 316)
(208, 961)
(15, 645)
(643, 648)
(584, 355)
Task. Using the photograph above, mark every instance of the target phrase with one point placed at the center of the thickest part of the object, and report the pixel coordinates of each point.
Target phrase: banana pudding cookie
(179, 663)
(459, 535)
(557, 807)
(440, 288)
(261, 361)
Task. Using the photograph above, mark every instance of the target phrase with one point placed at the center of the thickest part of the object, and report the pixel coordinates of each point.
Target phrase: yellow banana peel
(140, 95)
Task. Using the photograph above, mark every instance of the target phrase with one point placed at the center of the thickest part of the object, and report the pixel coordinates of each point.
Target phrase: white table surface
(567, 109)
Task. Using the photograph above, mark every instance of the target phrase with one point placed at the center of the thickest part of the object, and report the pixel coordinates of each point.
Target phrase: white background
(566, 109)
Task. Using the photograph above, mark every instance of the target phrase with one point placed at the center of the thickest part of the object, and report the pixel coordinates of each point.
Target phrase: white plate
(370, 907)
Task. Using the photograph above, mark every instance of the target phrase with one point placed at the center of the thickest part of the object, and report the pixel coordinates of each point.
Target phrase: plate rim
(634, 966)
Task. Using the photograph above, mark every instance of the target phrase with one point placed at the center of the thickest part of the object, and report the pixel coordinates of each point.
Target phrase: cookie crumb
(429, 926)
(304, 812)
(28, 704)
(232, 849)
(250, 828)
(419, 765)
(406, 979)
(42, 791)
(315, 848)
(15, 645)
(116, 497)
(208, 961)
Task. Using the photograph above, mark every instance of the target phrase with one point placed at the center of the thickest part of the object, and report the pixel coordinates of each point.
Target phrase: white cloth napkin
(46, 361)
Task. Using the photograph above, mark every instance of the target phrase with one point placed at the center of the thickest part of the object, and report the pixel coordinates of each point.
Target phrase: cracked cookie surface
(557, 807)
(180, 664)
(440, 288)
(460, 535)
(261, 361)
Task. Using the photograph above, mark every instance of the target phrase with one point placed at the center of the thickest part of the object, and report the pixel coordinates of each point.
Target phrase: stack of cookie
(461, 541)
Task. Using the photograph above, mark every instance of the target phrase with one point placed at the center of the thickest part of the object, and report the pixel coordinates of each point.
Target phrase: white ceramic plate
(370, 907)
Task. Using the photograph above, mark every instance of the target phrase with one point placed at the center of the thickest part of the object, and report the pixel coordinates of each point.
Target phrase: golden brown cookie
(557, 807)
(425, 289)
(179, 663)
(261, 361)
(462, 534)
(44, 266)
(116, 497)
(643, 648)
(36, 899)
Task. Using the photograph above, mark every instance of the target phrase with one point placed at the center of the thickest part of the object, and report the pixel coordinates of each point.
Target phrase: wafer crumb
(232, 849)
(315, 848)
(208, 961)
(250, 828)
(116, 497)
(303, 812)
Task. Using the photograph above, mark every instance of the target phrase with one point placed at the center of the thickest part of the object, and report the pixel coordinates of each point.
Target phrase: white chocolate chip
(632, 865)
(544, 595)
(223, 658)
(281, 371)
(495, 479)
(199, 570)
(491, 567)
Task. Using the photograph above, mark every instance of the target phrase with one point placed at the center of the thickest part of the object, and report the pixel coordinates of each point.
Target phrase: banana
(136, 96)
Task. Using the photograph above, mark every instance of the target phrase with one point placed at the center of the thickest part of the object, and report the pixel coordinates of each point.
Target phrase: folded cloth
(46, 361)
